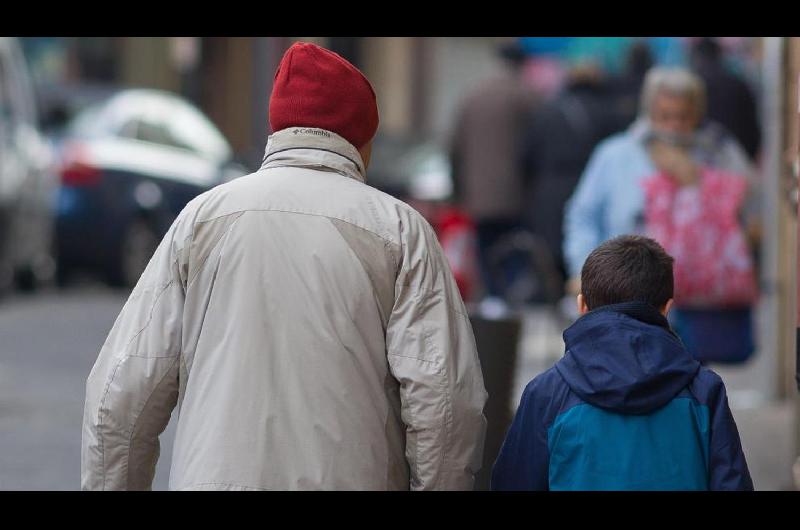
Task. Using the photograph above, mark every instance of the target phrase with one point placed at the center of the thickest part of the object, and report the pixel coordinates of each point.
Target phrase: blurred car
(410, 169)
(27, 183)
(128, 166)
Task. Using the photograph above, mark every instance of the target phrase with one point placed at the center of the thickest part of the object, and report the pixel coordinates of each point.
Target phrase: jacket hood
(625, 358)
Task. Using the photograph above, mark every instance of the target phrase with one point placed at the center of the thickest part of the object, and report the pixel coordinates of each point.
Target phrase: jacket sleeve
(133, 386)
(727, 466)
(583, 214)
(523, 462)
(432, 354)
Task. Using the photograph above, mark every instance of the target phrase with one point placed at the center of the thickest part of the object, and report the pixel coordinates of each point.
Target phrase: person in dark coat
(484, 152)
(730, 100)
(558, 142)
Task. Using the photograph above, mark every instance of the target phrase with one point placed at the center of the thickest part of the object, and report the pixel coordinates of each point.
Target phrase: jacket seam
(114, 374)
(214, 246)
(410, 357)
(173, 262)
(316, 214)
(374, 213)
(214, 219)
(448, 411)
(415, 465)
(427, 291)
(223, 484)
(152, 356)
(384, 317)
(138, 415)
(182, 356)
(150, 316)
(100, 435)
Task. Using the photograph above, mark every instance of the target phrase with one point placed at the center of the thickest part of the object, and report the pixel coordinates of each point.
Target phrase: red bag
(698, 226)
(458, 238)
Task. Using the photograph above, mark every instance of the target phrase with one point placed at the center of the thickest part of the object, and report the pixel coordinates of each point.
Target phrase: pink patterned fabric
(699, 227)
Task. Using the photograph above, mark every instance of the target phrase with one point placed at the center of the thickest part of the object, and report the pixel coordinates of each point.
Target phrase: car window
(130, 129)
(159, 133)
(189, 128)
(168, 121)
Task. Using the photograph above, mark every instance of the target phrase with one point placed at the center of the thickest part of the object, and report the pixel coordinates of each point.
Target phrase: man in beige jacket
(307, 325)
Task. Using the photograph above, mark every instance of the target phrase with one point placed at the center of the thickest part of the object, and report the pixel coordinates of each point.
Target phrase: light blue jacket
(609, 198)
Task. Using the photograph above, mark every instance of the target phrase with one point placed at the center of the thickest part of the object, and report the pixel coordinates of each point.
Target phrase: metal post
(773, 133)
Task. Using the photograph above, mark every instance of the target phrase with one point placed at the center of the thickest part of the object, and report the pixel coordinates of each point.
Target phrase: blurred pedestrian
(669, 137)
(556, 146)
(627, 407)
(609, 199)
(627, 85)
(730, 100)
(485, 157)
(307, 325)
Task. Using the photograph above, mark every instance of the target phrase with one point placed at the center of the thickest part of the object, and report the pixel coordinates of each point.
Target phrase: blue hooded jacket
(626, 408)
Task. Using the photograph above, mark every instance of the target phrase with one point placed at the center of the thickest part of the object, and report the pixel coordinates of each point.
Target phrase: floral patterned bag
(698, 226)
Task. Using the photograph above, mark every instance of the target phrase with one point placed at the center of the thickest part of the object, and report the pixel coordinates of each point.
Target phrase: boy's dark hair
(627, 269)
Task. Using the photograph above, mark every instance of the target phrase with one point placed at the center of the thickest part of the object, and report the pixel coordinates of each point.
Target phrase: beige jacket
(310, 332)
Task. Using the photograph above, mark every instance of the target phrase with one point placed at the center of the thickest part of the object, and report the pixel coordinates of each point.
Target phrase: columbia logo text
(317, 132)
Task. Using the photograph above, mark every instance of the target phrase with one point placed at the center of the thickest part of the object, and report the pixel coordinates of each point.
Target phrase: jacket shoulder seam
(214, 246)
(315, 214)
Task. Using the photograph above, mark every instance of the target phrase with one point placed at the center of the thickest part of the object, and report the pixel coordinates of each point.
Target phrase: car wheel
(138, 246)
(37, 274)
(26, 280)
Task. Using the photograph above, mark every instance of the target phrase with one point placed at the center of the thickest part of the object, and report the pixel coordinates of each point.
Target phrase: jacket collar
(313, 148)
(641, 311)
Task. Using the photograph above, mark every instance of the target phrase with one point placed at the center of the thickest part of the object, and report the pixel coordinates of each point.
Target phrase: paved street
(49, 341)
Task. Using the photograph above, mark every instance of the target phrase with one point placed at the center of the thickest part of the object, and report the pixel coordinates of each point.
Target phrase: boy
(627, 407)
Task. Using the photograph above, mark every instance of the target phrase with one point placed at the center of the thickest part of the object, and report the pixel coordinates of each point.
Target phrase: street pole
(771, 343)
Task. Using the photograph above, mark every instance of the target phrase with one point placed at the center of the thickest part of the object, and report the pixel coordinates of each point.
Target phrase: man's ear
(667, 307)
(582, 307)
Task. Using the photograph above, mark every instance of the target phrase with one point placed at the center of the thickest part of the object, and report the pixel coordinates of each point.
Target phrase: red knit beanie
(317, 88)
